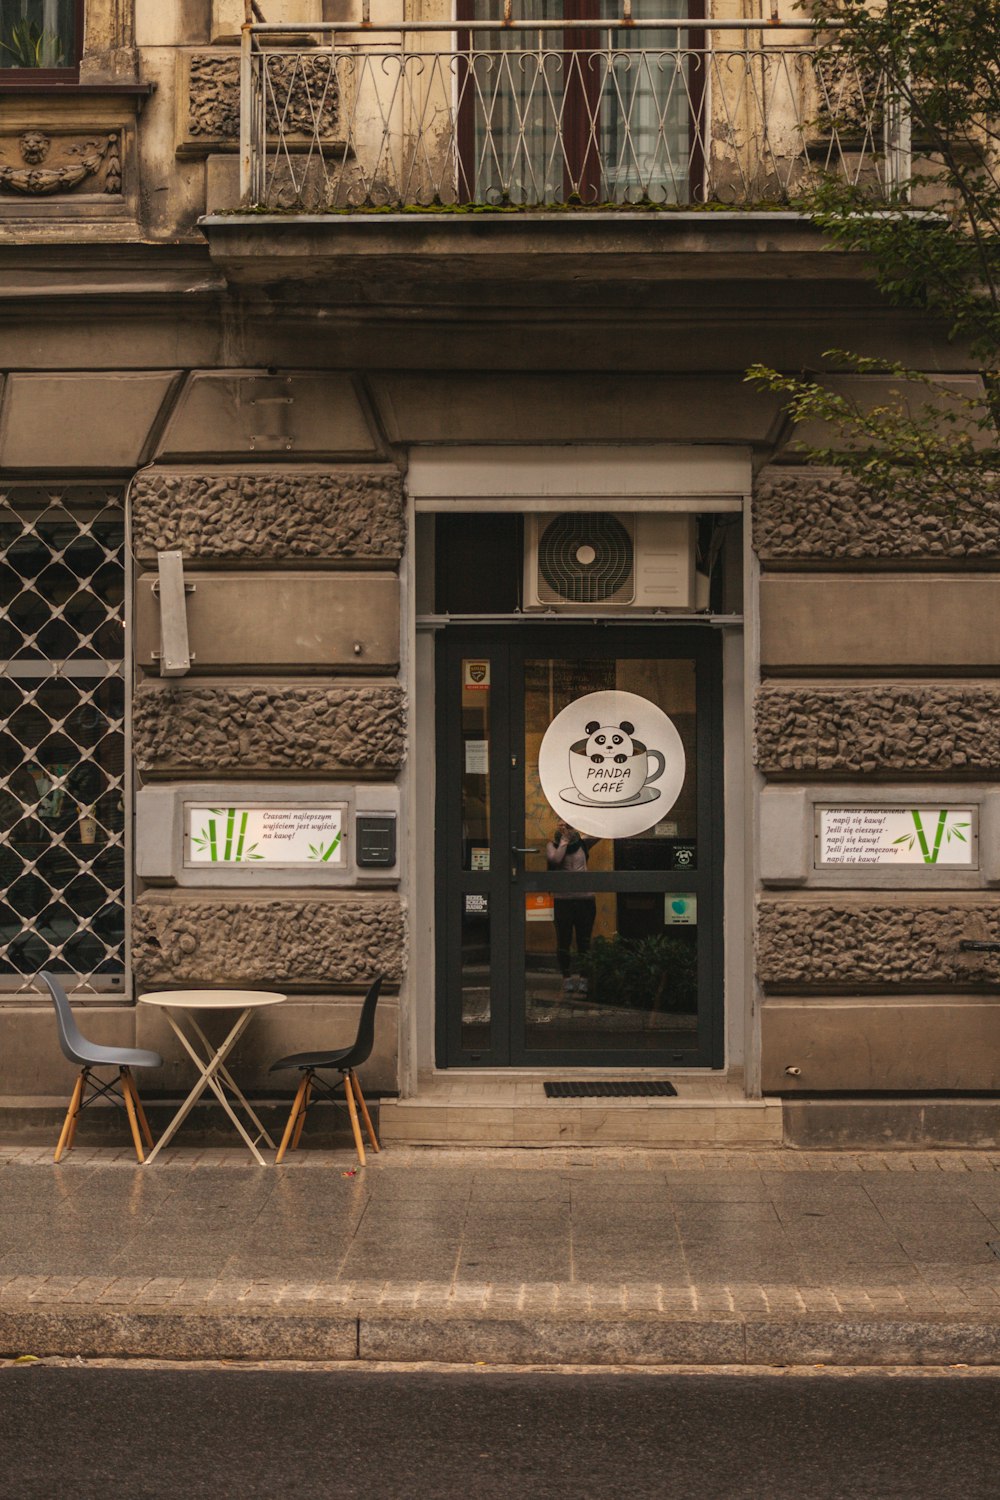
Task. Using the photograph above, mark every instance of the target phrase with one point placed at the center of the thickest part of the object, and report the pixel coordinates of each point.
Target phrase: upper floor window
(40, 40)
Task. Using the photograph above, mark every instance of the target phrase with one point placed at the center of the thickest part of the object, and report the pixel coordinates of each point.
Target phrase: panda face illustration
(605, 742)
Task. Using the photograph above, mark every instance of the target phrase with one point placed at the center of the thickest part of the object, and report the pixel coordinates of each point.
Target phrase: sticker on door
(612, 764)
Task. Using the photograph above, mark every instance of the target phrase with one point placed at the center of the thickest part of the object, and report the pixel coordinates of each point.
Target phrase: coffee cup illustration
(614, 758)
(609, 766)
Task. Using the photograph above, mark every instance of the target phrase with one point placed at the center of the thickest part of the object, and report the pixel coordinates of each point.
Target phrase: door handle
(516, 849)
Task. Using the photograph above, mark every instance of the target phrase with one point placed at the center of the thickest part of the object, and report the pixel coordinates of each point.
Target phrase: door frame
(613, 638)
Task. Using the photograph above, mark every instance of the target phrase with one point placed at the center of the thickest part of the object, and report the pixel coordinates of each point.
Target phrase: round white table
(209, 1060)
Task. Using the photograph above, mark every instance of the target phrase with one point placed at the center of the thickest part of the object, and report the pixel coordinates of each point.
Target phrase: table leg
(213, 1067)
(205, 1069)
(230, 1080)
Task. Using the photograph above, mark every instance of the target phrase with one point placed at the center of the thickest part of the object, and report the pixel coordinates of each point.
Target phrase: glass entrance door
(579, 848)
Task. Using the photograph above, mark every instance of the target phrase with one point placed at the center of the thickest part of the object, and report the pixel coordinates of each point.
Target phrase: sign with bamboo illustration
(289, 836)
(897, 836)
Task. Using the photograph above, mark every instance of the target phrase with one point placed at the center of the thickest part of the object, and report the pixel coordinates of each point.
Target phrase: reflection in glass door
(610, 967)
(579, 853)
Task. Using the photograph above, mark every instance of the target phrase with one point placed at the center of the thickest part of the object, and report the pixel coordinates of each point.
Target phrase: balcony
(514, 116)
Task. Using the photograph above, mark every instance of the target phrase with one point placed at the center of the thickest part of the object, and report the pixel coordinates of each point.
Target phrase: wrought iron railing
(536, 114)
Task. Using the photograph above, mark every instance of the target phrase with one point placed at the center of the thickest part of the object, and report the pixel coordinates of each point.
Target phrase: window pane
(550, 686)
(611, 971)
(38, 34)
(476, 973)
(476, 761)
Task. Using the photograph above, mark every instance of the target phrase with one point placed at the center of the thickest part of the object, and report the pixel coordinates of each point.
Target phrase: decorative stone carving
(844, 946)
(354, 513)
(285, 942)
(38, 173)
(35, 147)
(261, 729)
(806, 731)
(303, 96)
(822, 515)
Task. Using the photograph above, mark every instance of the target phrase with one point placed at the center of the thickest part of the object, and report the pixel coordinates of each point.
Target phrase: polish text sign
(897, 836)
(288, 836)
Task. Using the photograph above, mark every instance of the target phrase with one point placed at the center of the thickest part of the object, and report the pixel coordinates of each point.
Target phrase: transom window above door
(569, 564)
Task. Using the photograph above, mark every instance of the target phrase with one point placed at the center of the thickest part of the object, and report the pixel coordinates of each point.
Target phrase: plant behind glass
(25, 44)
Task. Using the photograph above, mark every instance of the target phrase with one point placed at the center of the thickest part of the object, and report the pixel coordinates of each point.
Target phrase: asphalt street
(389, 1435)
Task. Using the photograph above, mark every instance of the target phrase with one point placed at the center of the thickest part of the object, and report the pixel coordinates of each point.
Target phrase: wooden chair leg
(305, 1110)
(79, 1111)
(352, 1110)
(132, 1117)
(292, 1119)
(69, 1124)
(143, 1122)
(364, 1111)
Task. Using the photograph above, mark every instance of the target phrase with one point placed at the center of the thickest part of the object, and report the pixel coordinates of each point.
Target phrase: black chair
(88, 1055)
(345, 1061)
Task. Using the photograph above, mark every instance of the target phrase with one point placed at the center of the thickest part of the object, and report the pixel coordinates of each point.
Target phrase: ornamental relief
(302, 91)
(36, 164)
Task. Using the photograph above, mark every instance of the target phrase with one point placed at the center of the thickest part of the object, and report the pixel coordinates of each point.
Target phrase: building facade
(400, 575)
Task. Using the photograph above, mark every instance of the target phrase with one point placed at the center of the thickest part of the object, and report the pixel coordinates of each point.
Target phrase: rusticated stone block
(339, 942)
(804, 730)
(823, 515)
(251, 729)
(272, 514)
(850, 945)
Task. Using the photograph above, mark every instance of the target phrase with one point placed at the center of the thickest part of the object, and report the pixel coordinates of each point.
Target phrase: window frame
(20, 78)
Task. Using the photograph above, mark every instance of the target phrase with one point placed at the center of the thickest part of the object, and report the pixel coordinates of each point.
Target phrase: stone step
(581, 1122)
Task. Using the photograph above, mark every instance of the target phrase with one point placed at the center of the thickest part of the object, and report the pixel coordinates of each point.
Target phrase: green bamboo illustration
(942, 831)
(317, 852)
(242, 838)
(924, 849)
(213, 852)
(942, 820)
(230, 823)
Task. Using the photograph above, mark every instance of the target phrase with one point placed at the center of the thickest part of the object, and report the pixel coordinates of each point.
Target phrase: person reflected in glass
(574, 915)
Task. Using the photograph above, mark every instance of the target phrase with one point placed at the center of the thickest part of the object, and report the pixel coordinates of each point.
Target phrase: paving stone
(598, 1252)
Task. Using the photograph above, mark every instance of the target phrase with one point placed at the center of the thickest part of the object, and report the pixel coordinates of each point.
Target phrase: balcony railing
(538, 114)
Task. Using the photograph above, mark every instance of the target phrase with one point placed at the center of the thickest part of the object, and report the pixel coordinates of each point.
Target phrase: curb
(374, 1335)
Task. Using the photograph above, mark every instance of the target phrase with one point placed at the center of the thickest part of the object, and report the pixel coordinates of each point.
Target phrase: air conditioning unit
(592, 561)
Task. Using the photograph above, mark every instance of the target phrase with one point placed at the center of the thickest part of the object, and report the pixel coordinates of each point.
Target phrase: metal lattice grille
(62, 736)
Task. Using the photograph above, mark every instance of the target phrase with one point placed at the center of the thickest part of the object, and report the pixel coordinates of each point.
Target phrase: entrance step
(459, 1111)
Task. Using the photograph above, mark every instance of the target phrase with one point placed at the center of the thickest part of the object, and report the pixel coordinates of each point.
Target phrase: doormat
(616, 1089)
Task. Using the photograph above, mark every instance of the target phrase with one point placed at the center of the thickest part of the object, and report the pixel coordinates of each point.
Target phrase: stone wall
(339, 942)
(858, 720)
(850, 945)
(340, 514)
(287, 722)
(262, 730)
(822, 516)
(862, 729)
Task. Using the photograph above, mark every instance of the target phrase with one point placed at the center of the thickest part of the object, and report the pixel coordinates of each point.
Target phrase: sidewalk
(561, 1256)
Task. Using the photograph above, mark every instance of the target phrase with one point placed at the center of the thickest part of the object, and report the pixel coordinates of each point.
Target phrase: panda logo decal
(622, 754)
(608, 743)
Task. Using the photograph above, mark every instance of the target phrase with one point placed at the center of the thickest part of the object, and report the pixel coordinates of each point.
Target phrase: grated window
(62, 736)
